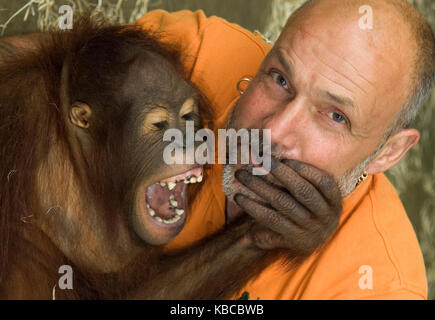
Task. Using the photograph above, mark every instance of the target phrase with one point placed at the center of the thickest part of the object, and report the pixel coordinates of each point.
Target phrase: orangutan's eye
(161, 125)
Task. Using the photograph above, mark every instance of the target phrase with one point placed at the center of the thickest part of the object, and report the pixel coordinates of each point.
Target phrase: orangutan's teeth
(172, 220)
(162, 184)
(173, 203)
(186, 181)
(199, 179)
(179, 212)
(159, 219)
(151, 212)
(171, 185)
(148, 206)
(193, 180)
(171, 197)
(175, 219)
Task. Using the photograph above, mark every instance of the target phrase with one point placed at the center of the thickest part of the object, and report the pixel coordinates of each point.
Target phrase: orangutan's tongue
(164, 201)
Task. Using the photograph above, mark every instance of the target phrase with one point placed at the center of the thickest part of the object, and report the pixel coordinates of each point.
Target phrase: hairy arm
(218, 268)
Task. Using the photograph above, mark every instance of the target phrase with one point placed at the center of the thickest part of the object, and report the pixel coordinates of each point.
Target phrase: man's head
(339, 96)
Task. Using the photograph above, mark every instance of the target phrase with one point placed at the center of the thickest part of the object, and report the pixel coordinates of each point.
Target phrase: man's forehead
(385, 47)
(361, 61)
(326, 74)
(345, 46)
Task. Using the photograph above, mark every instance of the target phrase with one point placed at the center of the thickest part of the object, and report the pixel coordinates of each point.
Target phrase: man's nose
(286, 124)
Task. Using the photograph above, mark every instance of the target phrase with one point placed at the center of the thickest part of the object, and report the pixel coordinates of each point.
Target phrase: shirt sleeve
(182, 30)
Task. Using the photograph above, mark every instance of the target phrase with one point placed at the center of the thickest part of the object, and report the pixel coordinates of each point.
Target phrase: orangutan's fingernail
(237, 198)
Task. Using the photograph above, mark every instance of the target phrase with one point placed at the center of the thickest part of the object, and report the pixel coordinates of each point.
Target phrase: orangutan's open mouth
(166, 201)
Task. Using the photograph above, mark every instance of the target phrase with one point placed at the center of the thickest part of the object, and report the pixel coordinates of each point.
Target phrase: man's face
(328, 93)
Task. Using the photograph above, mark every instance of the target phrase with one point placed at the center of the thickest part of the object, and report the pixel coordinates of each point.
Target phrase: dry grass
(47, 11)
(281, 10)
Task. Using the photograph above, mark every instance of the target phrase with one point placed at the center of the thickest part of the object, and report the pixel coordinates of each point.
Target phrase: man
(338, 97)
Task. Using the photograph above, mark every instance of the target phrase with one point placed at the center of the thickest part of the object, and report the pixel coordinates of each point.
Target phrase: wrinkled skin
(299, 221)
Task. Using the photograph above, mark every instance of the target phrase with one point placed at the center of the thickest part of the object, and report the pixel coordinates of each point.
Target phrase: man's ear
(394, 150)
(80, 115)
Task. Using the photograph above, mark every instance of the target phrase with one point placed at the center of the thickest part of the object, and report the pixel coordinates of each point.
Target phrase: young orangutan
(82, 117)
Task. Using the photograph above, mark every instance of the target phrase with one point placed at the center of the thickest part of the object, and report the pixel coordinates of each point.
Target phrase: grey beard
(228, 177)
(348, 182)
(228, 182)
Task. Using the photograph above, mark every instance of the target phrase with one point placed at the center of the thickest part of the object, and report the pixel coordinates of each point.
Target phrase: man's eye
(279, 79)
(337, 117)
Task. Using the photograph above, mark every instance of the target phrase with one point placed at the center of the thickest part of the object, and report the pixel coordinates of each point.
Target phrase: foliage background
(414, 177)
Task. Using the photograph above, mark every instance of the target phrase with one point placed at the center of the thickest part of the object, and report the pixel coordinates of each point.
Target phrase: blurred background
(414, 177)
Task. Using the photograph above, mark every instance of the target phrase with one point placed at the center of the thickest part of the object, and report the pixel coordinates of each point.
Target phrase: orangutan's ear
(80, 115)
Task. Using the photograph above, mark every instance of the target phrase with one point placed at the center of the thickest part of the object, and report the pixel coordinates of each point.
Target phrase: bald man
(342, 98)
(339, 96)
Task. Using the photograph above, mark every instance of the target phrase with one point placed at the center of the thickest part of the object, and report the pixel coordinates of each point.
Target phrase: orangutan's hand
(300, 215)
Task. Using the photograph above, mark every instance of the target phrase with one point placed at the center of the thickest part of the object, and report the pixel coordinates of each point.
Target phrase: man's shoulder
(376, 247)
(395, 232)
(193, 32)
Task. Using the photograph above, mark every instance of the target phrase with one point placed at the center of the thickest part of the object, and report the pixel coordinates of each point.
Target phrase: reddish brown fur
(30, 117)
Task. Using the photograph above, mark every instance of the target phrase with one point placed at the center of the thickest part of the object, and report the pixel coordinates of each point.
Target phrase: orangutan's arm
(216, 269)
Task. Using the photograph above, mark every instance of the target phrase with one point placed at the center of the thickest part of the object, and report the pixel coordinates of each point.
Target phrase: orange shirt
(373, 254)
